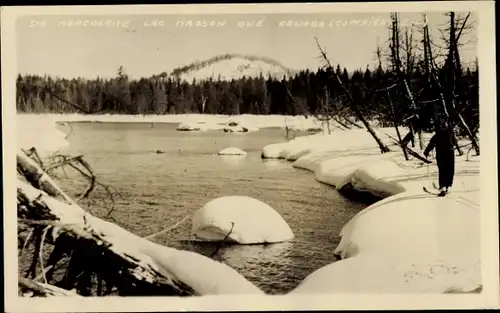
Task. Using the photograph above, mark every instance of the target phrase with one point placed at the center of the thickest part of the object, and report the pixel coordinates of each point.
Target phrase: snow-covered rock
(40, 133)
(235, 127)
(253, 221)
(232, 151)
(199, 126)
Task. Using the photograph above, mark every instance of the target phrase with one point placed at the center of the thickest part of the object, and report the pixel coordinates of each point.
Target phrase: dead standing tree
(354, 106)
(446, 92)
(453, 74)
(403, 72)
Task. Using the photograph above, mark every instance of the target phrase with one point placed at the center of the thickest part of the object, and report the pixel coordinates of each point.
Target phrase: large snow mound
(40, 133)
(252, 221)
(413, 224)
(232, 151)
(377, 273)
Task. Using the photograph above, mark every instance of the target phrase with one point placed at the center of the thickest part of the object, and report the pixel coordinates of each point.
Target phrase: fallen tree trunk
(112, 258)
(121, 262)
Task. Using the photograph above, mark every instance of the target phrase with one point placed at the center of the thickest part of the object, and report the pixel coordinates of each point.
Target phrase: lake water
(158, 190)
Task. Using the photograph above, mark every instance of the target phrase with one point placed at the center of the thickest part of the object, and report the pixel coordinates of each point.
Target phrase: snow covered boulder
(235, 127)
(274, 151)
(200, 126)
(247, 220)
(232, 151)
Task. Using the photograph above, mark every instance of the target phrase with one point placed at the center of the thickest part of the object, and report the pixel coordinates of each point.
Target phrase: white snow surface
(40, 133)
(409, 232)
(254, 221)
(232, 151)
(376, 273)
(213, 122)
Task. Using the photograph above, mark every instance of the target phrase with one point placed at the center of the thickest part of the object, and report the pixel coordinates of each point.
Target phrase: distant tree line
(302, 94)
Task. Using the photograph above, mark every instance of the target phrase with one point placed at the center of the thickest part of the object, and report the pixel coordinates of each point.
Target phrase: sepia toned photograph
(183, 152)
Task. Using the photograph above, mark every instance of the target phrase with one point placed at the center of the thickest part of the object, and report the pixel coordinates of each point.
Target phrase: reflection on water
(276, 253)
(158, 190)
(274, 163)
(232, 160)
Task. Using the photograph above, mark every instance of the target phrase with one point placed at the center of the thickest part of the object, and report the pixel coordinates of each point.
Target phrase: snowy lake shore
(210, 122)
(409, 241)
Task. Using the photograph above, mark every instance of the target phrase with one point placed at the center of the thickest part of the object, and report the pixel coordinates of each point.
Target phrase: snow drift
(376, 273)
(246, 220)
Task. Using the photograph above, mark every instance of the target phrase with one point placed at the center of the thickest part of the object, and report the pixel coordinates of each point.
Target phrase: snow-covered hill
(233, 66)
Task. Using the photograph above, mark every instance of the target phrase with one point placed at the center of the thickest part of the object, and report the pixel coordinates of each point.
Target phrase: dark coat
(443, 142)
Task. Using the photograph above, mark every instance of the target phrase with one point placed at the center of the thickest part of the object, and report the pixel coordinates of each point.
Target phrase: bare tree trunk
(354, 106)
(395, 51)
(455, 71)
(403, 146)
(433, 77)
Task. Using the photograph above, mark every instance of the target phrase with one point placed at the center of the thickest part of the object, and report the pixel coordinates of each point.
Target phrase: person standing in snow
(442, 141)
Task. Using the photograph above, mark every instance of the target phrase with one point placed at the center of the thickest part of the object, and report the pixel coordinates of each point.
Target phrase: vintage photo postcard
(256, 157)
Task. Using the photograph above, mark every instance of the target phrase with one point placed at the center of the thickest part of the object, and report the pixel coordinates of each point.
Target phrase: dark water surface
(158, 190)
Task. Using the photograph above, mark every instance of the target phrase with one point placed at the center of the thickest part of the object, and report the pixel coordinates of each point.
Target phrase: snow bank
(232, 151)
(252, 122)
(254, 221)
(204, 275)
(41, 133)
(409, 234)
(414, 223)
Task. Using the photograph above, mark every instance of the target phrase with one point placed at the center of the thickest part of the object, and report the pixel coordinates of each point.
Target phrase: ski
(433, 193)
(429, 192)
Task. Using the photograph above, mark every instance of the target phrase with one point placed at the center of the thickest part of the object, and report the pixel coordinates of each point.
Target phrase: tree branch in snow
(222, 242)
(97, 249)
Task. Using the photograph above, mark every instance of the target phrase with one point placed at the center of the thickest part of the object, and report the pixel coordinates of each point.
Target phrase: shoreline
(401, 223)
(390, 236)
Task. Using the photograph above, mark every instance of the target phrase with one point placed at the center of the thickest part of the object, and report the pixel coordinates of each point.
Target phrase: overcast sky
(49, 45)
